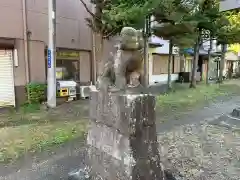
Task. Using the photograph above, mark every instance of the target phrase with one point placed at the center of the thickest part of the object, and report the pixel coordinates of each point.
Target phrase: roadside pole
(51, 55)
(146, 49)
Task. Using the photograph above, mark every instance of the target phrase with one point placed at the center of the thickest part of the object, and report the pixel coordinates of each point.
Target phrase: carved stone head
(134, 79)
(131, 39)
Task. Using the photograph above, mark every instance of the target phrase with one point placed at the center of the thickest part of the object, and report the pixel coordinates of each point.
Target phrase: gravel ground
(202, 152)
(199, 151)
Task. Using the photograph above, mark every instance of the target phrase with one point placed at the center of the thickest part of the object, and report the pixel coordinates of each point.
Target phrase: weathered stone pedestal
(122, 139)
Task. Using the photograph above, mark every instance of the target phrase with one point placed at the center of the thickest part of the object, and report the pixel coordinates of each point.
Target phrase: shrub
(36, 92)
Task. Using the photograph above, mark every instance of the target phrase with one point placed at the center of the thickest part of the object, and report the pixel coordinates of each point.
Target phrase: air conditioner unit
(85, 91)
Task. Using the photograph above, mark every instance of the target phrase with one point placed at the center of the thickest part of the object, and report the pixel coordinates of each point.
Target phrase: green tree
(228, 33)
(200, 17)
(224, 27)
(173, 27)
(208, 21)
(110, 16)
(211, 26)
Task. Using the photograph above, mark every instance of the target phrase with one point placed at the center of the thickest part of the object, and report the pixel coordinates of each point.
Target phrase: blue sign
(49, 58)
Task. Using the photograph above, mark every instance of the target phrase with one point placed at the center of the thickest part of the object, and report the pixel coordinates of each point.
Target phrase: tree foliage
(111, 16)
(172, 22)
(229, 33)
(185, 22)
(178, 19)
(171, 25)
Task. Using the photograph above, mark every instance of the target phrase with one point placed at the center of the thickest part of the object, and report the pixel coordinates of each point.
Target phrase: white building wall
(162, 78)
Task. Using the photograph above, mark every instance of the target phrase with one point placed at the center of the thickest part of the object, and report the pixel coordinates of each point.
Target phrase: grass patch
(30, 108)
(16, 141)
(184, 98)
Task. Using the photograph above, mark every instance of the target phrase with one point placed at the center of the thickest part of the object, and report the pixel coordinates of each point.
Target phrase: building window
(67, 70)
(67, 65)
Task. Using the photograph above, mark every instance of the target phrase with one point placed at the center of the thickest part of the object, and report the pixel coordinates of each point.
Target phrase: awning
(190, 51)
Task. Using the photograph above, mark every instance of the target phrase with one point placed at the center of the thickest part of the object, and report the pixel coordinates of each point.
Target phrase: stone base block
(122, 141)
(121, 111)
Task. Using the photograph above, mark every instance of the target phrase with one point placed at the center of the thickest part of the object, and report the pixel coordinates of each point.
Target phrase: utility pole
(51, 59)
(146, 34)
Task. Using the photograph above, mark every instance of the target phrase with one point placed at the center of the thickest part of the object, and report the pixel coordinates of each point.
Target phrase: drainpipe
(25, 38)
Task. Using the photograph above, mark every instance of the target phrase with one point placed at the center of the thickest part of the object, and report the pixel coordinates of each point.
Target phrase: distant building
(158, 62)
(24, 40)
